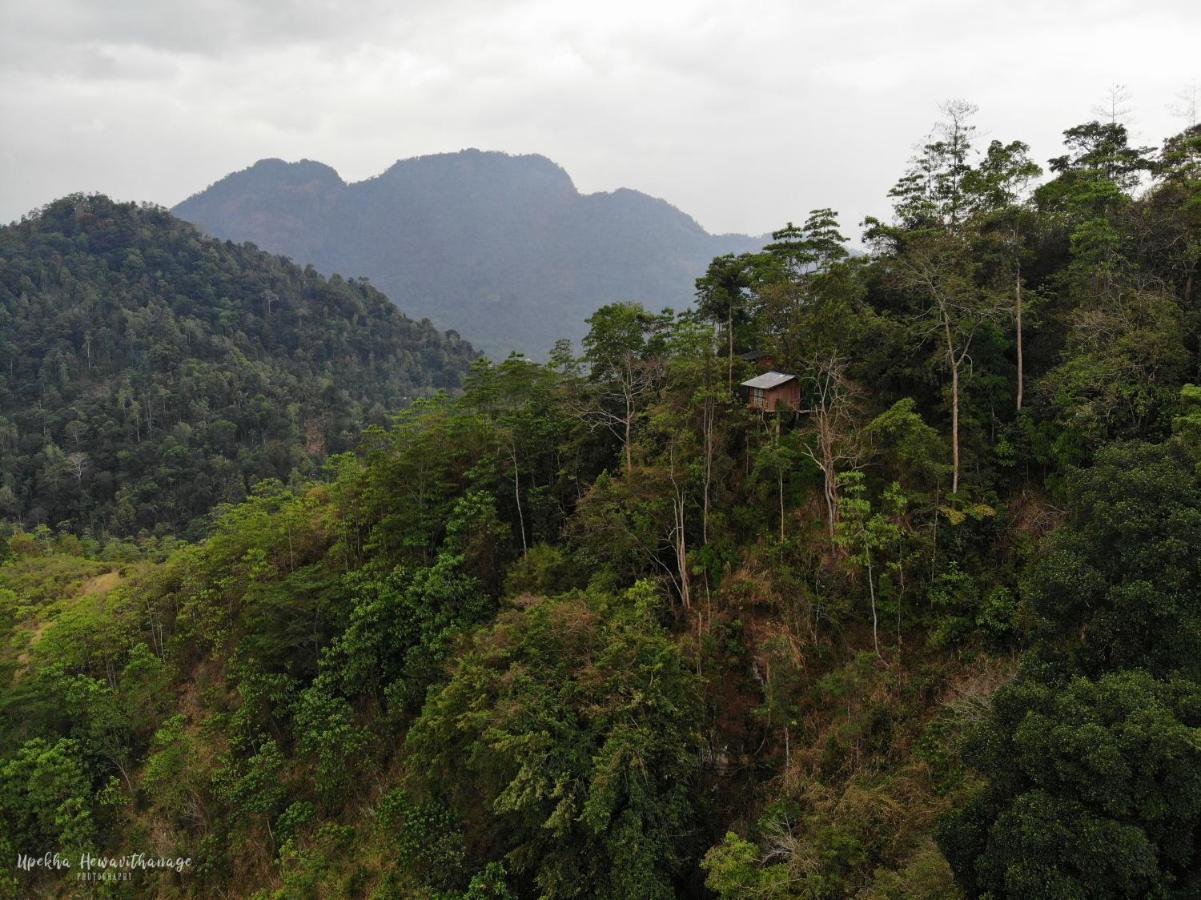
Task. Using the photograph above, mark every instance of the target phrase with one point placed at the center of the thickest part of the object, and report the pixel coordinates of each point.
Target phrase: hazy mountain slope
(150, 372)
(502, 248)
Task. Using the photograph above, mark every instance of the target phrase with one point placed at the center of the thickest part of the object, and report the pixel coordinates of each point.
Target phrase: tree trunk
(954, 364)
(730, 335)
(781, 485)
(829, 472)
(682, 556)
(124, 775)
(681, 538)
(831, 479)
(955, 429)
(871, 589)
(1018, 317)
(780, 479)
(709, 414)
(517, 499)
(629, 455)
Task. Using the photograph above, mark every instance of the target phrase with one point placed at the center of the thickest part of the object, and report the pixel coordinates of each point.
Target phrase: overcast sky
(743, 114)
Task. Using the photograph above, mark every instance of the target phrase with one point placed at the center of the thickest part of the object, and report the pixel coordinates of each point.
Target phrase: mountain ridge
(500, 247)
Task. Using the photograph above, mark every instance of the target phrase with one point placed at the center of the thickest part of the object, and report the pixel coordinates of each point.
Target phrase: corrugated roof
(768, 380)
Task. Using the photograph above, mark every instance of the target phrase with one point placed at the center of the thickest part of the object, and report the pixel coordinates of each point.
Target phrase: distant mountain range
(502, 249)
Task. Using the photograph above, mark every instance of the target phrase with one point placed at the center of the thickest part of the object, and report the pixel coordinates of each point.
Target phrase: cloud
(744, 115)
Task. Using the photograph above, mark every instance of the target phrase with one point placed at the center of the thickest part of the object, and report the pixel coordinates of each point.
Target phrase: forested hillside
(595, 628)
(150, 372)
(501, 248)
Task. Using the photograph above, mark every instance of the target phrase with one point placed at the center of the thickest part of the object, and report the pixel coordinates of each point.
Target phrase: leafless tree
(1188, 104)
(1116, 105)
(832, 412)
(617, 403)
(78, 461)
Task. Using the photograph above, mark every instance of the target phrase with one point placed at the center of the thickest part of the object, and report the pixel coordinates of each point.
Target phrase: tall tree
(722, 295)
(933, 191)
(624, 353)
(997, 188)
(831, 434)
(930, 249)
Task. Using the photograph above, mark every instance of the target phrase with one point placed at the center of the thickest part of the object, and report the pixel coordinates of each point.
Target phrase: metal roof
(768, 380)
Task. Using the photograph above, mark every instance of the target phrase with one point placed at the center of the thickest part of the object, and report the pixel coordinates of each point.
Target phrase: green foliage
(46, 798)
(574, 723)
(914, 450)
(1094, 787)
(594, 628)
(428, 844)
(330, 737)
(1118, 586)
(167, 778)
(734, 871)
(1095, 791)
(400, 630)
(154, 373)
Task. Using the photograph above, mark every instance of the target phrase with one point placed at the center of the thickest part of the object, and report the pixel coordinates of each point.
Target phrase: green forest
(592, 627)
(150, 373)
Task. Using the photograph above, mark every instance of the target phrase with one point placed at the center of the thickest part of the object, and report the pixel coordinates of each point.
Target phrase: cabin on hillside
(773, 392)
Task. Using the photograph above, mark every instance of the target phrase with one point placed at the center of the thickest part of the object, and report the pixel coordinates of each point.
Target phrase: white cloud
(744, 115)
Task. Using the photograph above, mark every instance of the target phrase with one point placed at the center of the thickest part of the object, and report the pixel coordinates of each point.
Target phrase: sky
(743, 114)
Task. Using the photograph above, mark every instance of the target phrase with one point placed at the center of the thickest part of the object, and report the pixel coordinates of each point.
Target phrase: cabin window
(758, 398)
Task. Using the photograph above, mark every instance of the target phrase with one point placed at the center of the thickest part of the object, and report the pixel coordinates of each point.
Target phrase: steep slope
(151, 372)
(501, 248)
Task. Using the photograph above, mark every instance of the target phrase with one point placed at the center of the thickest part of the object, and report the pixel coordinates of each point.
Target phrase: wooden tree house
(773, 392)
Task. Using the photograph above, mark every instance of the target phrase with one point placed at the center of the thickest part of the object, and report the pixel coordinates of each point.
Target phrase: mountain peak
(300, 168)
(500, 247)
(473, 165)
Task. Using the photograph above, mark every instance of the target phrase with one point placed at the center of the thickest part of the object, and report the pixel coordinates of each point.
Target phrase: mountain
(501, 248)
(150, 372)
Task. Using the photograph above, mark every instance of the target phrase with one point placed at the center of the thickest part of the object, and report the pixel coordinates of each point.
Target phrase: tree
(722, 295)
(1102, 149)
(46, 798)
(997, 187)
(578, 729)
(1115, 106)
(522, 415)
(775, 457)
(78, 462)
(933, 192)
(811, 248)
(832, 429)
(812, 316)
(1116, 587)
(865, 532)
(1094, 791)
(939, 266)
(624, 353)
(930, 249)
(809, 303)
(1173, 220)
